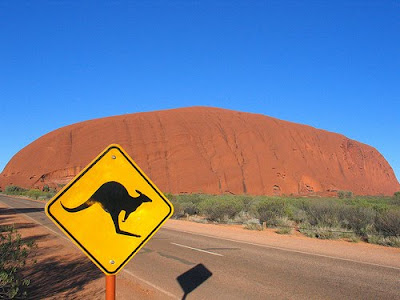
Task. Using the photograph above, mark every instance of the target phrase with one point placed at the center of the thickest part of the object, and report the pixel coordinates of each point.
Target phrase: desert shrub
(178, 210)
(358, 219)
(190, 208)
(284, 222)
(14, 253)
(344, 194)
(220, 208)
(253, 224)
(169, 196)
(322, 212)
(14, 190)
(326, 232)
(391, 241)
(396, 199)
(35, 194)
(270, 210)
(387, 223)
(299, 215)
(243, 217)
(247, 202)
(284, 230)
(50, 194)
(284, 225)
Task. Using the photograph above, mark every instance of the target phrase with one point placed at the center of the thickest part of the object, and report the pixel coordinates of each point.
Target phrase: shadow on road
(13, 211)
(53, 277)
(193, 278)
(25, 225)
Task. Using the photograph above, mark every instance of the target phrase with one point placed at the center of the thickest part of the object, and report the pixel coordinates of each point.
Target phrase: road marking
(197, 249)
(285, 249)
(123, 270)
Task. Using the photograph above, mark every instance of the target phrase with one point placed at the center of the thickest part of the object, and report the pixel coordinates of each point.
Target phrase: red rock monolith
(210, 150)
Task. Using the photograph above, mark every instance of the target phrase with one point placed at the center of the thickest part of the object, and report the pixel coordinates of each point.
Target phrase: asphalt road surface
(212, 268)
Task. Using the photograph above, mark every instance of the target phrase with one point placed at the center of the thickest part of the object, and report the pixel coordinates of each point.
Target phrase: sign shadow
(193, 278)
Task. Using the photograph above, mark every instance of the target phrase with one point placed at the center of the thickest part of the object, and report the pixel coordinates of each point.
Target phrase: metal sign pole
(110, 287)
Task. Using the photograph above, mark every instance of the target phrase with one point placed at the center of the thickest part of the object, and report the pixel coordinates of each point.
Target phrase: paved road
(242, 271)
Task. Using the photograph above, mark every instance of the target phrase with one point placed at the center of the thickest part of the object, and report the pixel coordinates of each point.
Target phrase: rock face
(210, 150)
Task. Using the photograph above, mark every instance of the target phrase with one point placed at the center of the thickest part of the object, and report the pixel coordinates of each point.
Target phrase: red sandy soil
(213, 151)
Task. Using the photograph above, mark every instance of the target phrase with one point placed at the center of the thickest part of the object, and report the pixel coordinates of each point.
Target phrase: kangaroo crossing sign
(110, 209)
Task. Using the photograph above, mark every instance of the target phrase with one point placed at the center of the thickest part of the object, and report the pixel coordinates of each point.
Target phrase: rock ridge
(210, 150)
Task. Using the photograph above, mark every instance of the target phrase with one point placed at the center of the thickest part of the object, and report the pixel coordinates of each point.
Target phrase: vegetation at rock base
(14, 253)
(46, 193)
(396, 196)
(374, 219)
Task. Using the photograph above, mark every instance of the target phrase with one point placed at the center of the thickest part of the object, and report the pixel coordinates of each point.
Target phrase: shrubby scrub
(368, 218)
(14, 253)
(45, 194)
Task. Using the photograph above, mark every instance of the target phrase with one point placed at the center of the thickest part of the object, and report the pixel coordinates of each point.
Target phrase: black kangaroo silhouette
(113, 198)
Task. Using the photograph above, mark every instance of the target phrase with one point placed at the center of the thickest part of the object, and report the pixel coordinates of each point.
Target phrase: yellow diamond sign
(110, 209)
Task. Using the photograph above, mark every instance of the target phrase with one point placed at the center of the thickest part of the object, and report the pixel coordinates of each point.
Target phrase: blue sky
(334, 65)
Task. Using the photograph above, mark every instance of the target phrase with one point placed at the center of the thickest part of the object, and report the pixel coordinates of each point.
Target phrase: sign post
(110, 210)
(110, 287)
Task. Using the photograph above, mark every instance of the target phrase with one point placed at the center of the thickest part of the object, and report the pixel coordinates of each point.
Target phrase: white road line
(123, 270)
(196, 249)
(285, 249)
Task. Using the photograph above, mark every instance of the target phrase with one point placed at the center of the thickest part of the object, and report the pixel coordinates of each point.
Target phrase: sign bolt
(112, 262)
(113, 157)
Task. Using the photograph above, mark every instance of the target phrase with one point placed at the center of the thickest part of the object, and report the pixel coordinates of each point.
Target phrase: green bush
(14, 252)
(270, 210)
(14, 190)
(220, 209)
(253, 224)
(388, 223)
(189, 208)
(35, 194)
(358, 219)
(284, 230)
(326, 232)
(396, 198)
(345, 194)
(178, 210)
(391, 241)
(322, 212)
(352, 217)
(349, 194)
